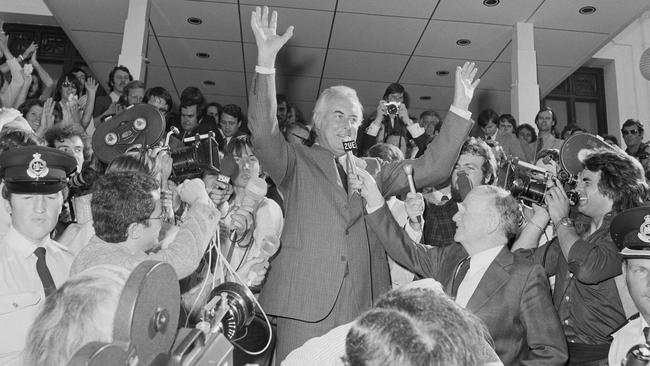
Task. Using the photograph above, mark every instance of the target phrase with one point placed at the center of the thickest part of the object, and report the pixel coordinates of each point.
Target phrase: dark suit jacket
(325, 241)
(513, 298)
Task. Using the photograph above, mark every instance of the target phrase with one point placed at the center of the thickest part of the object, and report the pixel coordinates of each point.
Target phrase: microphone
(349, 145)
(227, 169)
(254, 193)
(408, 169)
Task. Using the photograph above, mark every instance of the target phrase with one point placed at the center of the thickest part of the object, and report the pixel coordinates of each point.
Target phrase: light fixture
(491, 3)
(587, 10)
(463, 42)
(425, 97)
(208, 82)
(442, 73)
(194, 20)
(202, 55)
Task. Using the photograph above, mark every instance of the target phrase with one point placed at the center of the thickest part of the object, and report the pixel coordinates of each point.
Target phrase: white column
(134, 40)
(524, 91)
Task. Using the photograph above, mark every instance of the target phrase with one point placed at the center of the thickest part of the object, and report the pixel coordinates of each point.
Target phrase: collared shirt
(21, 290)
(439, 228)
(625, 338)
(585, 296)
(478, 264)
(115, 97)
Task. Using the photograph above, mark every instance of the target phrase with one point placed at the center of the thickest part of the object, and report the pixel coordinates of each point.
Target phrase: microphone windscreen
(256, 188)
(229, 167)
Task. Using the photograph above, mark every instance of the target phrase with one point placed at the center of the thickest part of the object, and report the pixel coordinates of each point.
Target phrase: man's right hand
(268, 41)
(464, 85)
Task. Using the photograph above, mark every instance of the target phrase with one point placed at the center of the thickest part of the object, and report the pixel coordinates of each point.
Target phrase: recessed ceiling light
(463, 42)
(442, 73)
(208, 82)
(586, 10)
(490, 3)
(194, 20)
(425, 97)
(202, 55)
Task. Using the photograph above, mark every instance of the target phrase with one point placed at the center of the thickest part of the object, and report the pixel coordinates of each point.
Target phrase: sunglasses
(643, 156)
(67, 84)
(627, 132)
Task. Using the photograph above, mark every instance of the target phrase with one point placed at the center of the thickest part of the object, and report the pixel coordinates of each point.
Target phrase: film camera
(146, 326)
(144, 125)
(528, 182)
(392, 107)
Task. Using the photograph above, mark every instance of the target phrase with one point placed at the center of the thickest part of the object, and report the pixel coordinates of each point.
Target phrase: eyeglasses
(67, 84)
(627, 132)
(643, 156)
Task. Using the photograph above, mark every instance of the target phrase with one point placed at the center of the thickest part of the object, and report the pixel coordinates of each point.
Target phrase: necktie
(646, 333)
(44, 273)
(459, 275)
(342, 173)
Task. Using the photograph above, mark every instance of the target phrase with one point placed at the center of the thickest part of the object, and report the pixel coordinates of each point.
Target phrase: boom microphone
(408, 169)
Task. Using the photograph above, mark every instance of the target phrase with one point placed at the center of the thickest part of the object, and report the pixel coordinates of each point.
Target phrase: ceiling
(365, 44)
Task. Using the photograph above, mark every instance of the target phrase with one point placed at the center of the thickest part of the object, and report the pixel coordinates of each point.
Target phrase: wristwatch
(565, 221)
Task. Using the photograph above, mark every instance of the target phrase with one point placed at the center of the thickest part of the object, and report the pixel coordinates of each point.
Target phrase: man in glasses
(632, 132)
(127, 212)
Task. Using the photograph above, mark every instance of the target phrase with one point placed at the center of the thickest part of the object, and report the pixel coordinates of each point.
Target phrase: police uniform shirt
(625, 338)
(21, 290)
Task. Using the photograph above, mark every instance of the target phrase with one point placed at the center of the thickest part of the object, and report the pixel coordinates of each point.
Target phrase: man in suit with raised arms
(329, 268)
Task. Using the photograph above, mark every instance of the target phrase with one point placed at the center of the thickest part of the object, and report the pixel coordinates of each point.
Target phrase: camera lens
(391, 108)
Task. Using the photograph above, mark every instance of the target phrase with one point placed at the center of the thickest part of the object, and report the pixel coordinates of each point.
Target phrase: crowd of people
(406, 249)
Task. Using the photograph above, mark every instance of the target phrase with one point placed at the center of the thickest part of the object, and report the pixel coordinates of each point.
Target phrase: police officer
(32, 265)
(630, 231)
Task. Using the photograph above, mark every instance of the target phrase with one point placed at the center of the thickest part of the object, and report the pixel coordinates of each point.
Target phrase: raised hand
(414, 205)
(465, 85)
(404, 114)
(266, 37)
(91, 85)
(30, 51)
(33, 60)
(47, 118)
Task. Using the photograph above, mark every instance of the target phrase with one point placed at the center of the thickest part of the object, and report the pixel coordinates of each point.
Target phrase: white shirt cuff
(372, 130)
(416, 235)
(463, 113)
(373, 209)
(415, 130)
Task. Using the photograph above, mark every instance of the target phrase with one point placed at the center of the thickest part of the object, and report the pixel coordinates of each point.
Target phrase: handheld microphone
(254, 193)
(408, 169)
(228, 169)
(349, 145)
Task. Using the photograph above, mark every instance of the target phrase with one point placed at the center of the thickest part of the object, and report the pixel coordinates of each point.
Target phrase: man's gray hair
(330, 93)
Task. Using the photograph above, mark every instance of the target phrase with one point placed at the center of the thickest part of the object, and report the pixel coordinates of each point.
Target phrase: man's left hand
(557, 202)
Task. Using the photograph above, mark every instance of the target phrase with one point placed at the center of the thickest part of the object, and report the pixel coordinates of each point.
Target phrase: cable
(169, 71)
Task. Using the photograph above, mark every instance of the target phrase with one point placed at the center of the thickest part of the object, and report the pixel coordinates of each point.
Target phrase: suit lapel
(494, 279)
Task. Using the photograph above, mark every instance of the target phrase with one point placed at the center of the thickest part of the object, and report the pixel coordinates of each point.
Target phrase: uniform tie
(459, 275)
(43, 272)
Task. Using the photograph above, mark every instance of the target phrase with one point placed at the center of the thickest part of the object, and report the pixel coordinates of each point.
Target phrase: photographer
(391, 119)
(584, 258)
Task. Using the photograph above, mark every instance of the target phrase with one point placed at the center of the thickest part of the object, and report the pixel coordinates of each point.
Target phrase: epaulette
(633, 317)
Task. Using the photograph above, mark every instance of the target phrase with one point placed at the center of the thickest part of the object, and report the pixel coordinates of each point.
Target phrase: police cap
(36, 169)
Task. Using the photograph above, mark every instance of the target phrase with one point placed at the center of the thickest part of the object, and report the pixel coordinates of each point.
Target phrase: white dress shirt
(21, 290)
(478, 264)
(625, 338)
